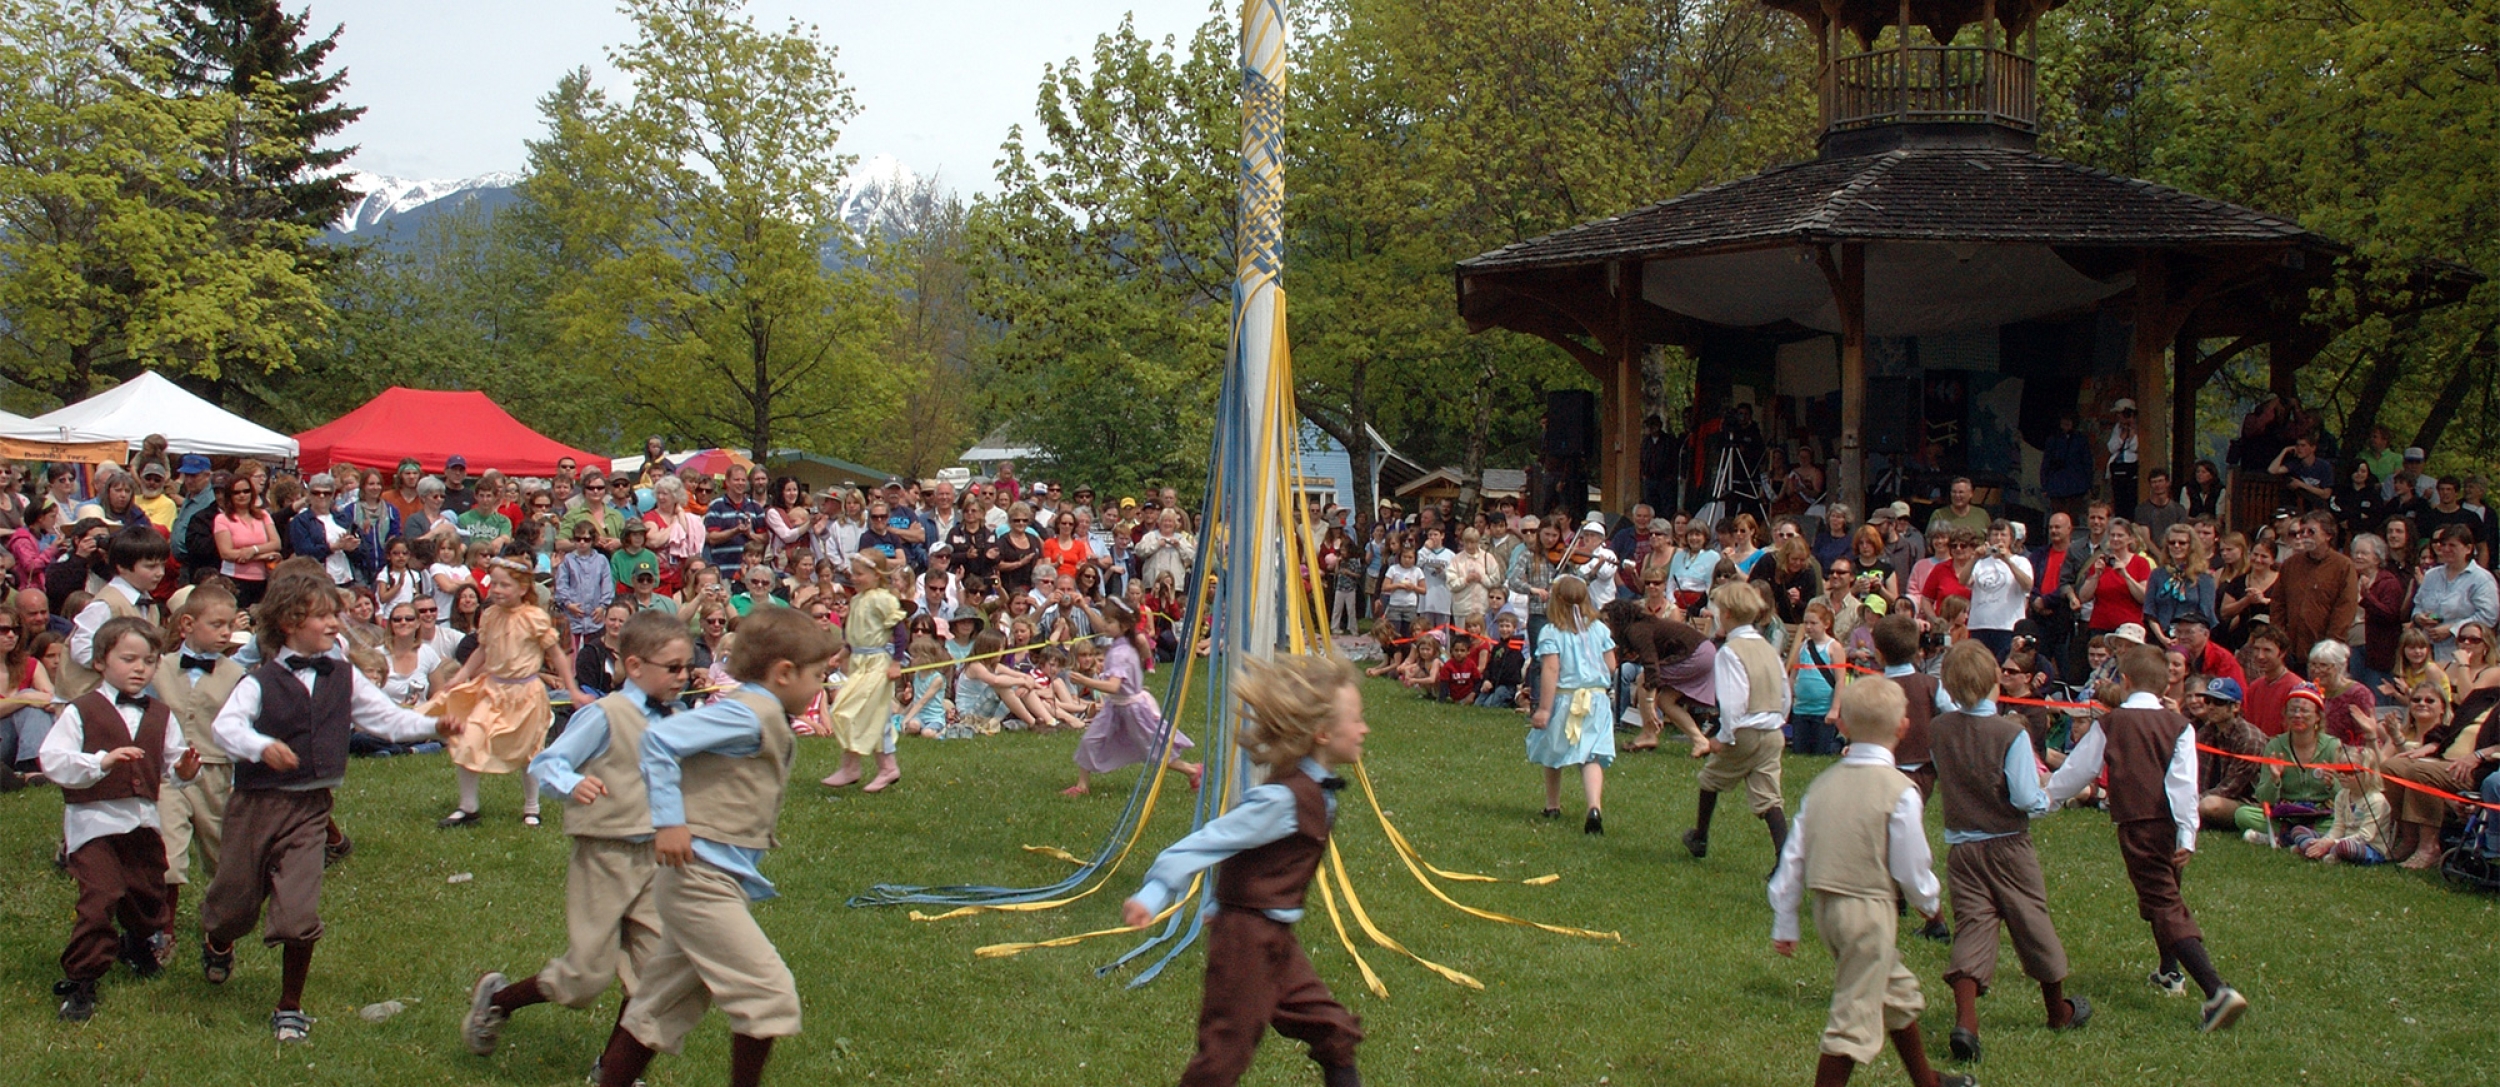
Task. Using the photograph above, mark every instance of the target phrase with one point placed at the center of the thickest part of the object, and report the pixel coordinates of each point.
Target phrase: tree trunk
(2472, 363)
(1479, 432)
(759, 354)
(2385, 368)
(1354, 435)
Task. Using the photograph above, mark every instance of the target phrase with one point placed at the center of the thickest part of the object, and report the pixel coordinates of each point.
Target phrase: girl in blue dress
(1574, 722)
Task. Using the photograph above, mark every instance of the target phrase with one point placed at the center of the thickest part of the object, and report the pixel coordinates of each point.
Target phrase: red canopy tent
(433, 426)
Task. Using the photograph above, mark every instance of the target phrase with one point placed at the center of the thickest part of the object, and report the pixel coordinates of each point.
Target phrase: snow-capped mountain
(876, 187)
(388, 198)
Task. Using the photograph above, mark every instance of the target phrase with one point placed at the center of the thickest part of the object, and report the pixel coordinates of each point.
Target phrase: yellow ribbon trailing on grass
(1354, 905)
(1004, 951)
(1415, 865)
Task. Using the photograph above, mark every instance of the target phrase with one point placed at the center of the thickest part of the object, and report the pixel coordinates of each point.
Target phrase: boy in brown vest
(138, 559)
(1859, 841)
(286, 726)
(714, 778)
(1896, 646)
(1753, 698)
(596, 766)
(193, 681)
(1989, 786)
(110, 750)
(2151, 754)
(1303, 719)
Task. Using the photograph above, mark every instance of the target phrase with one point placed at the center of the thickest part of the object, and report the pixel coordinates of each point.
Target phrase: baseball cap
(637, 527)
(1594, 525)
(2224, 688)
(645, 569)
(2123, 404)
(456, 461)
(2191, 618)
(152, 468)
(2414, 454)
(1901, 510)
(1127, 503)
(1880, 516)
(2130, 632)
(194, 464)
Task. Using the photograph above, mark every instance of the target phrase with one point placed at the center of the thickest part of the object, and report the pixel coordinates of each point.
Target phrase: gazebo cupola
(1892, 72)
(1929, 277)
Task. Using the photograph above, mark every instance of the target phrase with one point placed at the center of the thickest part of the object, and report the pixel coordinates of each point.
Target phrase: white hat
(1595, 524)
(2130, 632)
(1901, 510)
(2414, 452)
(2123, 404)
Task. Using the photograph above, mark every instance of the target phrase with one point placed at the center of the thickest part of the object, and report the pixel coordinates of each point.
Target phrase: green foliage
(1106, 258)
(917, 250)
(254, 50)
(698, 220)
(113, 253)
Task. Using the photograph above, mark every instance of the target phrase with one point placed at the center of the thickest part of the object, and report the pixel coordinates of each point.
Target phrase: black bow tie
(319, 666)
(657, 708)
(1332, 784)
(205, 664)
(138, 700)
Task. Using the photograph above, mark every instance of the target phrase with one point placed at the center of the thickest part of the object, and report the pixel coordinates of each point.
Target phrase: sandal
(531, 819)
(216, 965)
(457, 819)
(289, 1025)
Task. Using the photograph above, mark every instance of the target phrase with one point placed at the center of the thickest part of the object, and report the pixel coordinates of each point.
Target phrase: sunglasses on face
(2465, 640)
(2427, 700)
(672, 669)
(403, 618)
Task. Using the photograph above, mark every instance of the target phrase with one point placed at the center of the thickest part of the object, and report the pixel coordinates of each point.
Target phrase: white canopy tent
(150, 404)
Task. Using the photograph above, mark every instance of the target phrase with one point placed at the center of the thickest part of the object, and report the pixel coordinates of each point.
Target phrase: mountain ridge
(394, 206)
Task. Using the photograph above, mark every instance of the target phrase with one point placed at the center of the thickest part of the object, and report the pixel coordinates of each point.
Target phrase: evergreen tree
(254, 50)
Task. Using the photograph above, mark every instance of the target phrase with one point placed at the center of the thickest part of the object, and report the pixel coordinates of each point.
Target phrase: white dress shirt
(369, 711)
(1735, 689)
(97, 613)
(2083, 765)
(70, 766)
(1906, 856)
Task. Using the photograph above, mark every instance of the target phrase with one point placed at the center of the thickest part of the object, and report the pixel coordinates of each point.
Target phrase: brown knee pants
(2147, 845)
(1998, 881)
(1257, 975)
(121, 877)
(272, 854)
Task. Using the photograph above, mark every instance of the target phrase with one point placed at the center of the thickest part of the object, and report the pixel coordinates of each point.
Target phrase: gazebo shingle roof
(1968, 195)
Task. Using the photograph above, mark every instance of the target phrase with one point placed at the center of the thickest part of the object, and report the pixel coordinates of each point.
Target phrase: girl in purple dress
(1129, 727)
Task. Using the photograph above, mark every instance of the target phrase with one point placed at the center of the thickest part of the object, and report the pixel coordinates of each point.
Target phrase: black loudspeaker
(1570, 423)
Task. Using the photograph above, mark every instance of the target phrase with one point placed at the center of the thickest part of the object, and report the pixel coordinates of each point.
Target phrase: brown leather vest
(1276, 875)
(105, 732)
(1970, 771)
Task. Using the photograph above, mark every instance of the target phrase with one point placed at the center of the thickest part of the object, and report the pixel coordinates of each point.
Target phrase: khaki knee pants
(1872, 993)
(195, 812)
(611, 921)
(711, 952)
(1750, 759)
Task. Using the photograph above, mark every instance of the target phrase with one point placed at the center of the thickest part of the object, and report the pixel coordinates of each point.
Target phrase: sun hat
(2130, 632)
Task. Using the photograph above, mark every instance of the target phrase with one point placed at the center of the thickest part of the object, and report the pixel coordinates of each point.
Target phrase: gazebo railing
(1931, 83)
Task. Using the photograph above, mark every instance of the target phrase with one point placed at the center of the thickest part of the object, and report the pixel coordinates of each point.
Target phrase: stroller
(2466, 863)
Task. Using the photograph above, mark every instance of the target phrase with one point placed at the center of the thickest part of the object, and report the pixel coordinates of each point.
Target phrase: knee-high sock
(519, 995)
(1339, 1075)
(1913, 1052)
(746, 1059)
(1833, 1070)
(468, 790)
(529, 794)
(1705, 807)
(1777, 820)
(296, 965)
(624, 1060)
(2191, 955)
(1966, 1004)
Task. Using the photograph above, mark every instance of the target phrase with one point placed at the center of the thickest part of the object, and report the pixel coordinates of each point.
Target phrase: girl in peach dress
(500, 695)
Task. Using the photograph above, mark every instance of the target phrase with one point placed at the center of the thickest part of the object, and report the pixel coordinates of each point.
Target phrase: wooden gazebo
(1927, 213)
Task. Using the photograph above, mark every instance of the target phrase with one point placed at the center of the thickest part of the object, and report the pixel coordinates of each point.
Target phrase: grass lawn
(2358, 976)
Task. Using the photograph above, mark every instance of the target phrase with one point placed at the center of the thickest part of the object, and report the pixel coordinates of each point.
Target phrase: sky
(452, 86)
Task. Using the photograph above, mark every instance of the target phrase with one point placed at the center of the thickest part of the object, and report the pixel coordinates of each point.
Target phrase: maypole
(1257, 594)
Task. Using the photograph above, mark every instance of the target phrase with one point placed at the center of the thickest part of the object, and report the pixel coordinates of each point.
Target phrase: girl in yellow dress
(864, 709)
(499, 696)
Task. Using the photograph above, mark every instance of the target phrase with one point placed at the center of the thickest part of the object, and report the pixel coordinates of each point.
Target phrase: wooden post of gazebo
(1619, 475)
(2148, 356)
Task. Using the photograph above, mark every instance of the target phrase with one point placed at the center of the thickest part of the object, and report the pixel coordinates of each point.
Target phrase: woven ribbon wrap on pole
(1254, 596)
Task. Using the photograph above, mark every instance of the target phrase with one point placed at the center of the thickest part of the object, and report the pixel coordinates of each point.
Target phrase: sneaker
(334, 852)
(1965, 1045)
(2170, 982)
(484, 1026)
(593, 1081)
(289, 1025)
(215, 965)
(2223, 1010)
(1595, 824)
(1936, 931)
(2258, 838)
(1956, 1079)
(2081, 1014)
(1696, 843)
(139, 953)
(77, 999)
